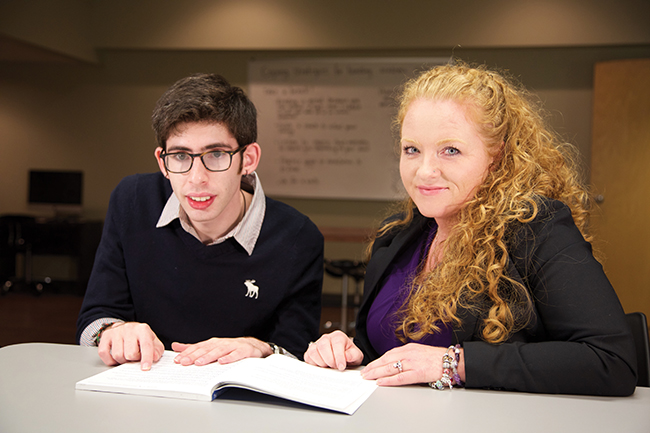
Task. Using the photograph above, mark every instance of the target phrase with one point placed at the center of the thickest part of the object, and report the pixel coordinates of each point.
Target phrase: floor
(51, 317)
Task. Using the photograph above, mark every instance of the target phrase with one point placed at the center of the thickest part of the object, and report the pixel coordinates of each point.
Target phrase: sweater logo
(253, 290)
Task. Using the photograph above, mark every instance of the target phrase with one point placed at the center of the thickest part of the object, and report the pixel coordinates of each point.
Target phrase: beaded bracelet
(457, 380)
(103, 328)
(450, 376)
(100, 331)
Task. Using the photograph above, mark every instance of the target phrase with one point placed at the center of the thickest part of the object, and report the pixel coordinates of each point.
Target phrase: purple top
(392, 295)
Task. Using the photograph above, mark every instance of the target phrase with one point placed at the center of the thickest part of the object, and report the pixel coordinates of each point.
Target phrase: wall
(97, 117)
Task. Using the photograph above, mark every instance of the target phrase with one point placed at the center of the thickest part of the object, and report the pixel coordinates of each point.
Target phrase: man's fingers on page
(239, 348)
(339, 346)
(179, 347)
(226, 351)
(339, 342)
(159, 350)
(311, 355)
(325, 352)
(132, 349)
(205, 350)
(146, 354)
(106, 356)
(354, 356)
(113, 348)
(316, 359)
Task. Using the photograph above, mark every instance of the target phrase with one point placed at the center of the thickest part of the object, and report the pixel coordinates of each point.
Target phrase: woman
(486, 278)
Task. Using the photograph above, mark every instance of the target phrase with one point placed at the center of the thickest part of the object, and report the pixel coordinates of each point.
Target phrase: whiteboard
(324, 125)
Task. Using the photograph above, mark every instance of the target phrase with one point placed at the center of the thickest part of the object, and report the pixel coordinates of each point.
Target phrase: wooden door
(620, 173)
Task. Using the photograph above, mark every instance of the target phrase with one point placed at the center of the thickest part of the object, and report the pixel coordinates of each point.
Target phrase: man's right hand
(130, 341)
(334, 350)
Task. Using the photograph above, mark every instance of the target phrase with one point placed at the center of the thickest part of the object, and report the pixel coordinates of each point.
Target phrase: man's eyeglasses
(213, 160)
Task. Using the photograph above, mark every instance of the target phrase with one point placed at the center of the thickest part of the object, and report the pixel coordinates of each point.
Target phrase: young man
(195, 258)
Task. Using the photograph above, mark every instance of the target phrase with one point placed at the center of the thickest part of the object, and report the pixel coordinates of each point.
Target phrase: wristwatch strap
(279, 350)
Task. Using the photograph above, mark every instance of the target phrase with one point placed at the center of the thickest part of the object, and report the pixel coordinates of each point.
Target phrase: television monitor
(62, 190)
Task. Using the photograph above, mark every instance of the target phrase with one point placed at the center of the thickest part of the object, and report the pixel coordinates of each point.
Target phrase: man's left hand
(221, 350)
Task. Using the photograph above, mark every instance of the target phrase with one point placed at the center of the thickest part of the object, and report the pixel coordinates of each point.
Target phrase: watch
(277, 350)
(274, 347)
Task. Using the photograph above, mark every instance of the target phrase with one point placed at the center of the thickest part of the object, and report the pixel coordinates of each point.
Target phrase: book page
(165, 379)
(298, 381)
(276, 375)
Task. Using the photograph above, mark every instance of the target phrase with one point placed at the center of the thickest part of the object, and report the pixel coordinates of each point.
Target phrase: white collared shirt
(245, 232)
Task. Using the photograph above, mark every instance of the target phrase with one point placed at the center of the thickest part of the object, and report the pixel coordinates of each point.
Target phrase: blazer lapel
(384, 255)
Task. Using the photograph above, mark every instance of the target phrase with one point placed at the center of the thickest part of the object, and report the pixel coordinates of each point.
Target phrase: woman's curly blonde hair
(530, 161)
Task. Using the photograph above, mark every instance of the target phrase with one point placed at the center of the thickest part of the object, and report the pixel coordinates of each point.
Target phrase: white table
(37, 394)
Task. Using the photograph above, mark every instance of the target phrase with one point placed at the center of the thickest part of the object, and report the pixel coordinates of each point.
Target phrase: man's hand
(130, 341)
(221, 350)
(334, 350)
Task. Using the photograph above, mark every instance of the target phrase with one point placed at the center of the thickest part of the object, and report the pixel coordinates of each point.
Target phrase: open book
(277, 375)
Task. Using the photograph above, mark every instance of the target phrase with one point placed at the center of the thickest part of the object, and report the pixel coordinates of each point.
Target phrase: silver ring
(398, 365)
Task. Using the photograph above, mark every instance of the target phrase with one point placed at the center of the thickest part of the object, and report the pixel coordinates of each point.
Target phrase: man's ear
(251, 158)
(161, 164)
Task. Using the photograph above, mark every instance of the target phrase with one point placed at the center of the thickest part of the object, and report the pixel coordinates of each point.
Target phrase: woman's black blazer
(577, 341)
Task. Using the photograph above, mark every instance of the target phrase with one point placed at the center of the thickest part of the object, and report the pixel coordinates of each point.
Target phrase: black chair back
(639, 326)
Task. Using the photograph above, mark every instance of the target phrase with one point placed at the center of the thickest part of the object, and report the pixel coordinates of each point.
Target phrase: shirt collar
(245, 233)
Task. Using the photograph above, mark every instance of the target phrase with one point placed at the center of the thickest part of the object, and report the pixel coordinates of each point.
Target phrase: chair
(345, 269)
(16, 233)
(639, 326)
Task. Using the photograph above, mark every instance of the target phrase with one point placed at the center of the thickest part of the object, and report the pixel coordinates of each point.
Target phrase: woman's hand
(419, 363)
(334, 350)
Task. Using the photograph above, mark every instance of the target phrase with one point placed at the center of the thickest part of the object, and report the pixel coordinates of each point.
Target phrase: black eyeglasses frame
(230, 153)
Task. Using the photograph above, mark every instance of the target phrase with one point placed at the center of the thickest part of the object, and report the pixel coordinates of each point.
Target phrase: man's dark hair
(205, 98)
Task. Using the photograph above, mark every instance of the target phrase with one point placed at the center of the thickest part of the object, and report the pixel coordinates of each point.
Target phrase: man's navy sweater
(189, 292)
